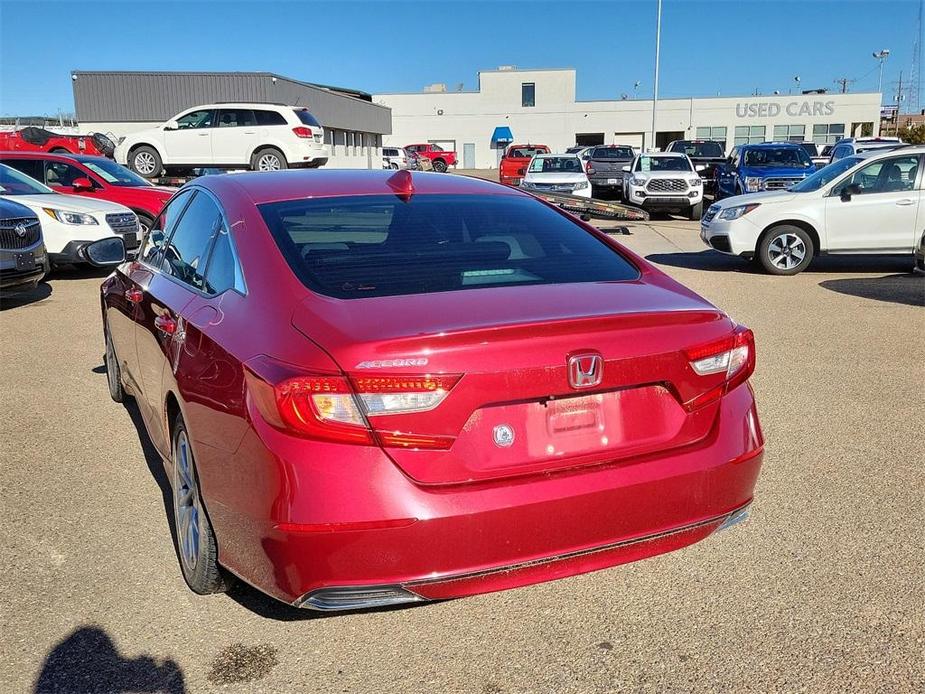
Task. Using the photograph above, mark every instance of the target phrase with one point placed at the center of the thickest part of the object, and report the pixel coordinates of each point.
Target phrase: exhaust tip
(356, 598)
(734, 518)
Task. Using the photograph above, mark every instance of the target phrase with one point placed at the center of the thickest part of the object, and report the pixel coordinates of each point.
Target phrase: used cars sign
(768, 109)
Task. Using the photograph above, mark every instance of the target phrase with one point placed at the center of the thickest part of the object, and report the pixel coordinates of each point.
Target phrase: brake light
(590, 169)
(329, 407)
(733, 356)
(302, 131)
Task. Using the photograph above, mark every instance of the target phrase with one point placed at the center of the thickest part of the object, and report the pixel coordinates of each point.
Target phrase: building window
(749, 134)
(714, 133)
(528, 95)
(827, 134)
(789, 133)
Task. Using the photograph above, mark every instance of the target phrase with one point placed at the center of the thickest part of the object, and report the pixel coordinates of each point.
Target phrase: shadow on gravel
(712, 261)
(42, 291)
(906, 289)
(87, 661)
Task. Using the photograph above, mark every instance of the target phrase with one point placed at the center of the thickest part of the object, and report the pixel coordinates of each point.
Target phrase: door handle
(166, 324)
(203, 134)
(905, 201)
(134, 295)
(249, 132)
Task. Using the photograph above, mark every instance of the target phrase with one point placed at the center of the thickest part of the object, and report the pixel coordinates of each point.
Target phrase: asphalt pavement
(823, 589)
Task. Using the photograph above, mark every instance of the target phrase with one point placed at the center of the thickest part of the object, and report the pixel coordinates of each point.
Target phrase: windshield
(656, 164)
(809, 148)
(555, 164)
(114, 174)
(624, 153)
(699, 149)
(777, 156)
(825, 175)
(379, 245)
(527, 152)
(12, 182)
(307, 118)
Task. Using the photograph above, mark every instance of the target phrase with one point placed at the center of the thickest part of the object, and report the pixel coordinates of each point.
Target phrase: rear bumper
(342, 534)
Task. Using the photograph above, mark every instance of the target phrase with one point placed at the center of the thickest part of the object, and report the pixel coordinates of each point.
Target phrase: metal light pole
(881, 56)
(658, 45)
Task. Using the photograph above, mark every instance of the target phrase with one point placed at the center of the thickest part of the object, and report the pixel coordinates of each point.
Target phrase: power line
(844, 82)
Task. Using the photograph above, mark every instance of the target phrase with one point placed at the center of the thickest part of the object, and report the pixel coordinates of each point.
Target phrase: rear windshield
(612, 153)
(699, 149)
(527, 152)
(367, 246)
(307, 118)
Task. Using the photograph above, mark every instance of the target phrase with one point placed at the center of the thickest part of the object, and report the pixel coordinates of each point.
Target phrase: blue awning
(502, 134)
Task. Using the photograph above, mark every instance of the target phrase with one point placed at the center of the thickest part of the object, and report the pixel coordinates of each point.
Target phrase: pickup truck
(514, 162)
(705, 153)
(32, 139)
(439, 157)
(605, 167)
(764, 166)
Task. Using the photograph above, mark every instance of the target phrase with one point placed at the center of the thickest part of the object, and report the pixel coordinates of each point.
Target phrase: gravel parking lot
(823, 589)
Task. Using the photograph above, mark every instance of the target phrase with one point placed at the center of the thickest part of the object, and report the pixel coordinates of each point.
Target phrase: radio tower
(915, 78)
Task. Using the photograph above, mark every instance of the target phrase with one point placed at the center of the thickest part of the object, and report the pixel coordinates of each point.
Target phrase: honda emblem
(585, 370)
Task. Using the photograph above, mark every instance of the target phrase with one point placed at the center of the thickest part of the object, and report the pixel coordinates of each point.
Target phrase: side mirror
(700, 167)
(171, 125)
(626, 169)
(105, 252)
(849, 190)
(82, 184)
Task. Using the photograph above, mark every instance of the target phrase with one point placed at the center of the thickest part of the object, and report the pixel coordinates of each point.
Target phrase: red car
(440, 158)
(372, 388)
(93, 177)
(513, 166)
(34, 139)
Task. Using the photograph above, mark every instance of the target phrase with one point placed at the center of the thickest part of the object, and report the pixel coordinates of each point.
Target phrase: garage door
(634, 140)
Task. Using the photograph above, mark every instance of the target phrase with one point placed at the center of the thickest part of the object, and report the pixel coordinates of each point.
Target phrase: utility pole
(658, 45)
(844, 82)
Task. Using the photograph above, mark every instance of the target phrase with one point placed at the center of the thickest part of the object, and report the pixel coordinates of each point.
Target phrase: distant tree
(913, 134)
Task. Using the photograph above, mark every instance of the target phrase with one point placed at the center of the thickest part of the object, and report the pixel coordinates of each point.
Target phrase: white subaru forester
(868, 203)
(261, 137)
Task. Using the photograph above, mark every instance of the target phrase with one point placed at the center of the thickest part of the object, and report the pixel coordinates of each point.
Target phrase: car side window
(30, 167)
(236, 118)
(224, 270)
(269, 118)
(154, 242)
(196, 119)
(58, 173)
(184, 256)
(893, 175)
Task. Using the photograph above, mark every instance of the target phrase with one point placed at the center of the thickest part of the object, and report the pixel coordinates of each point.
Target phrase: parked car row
(425, 156)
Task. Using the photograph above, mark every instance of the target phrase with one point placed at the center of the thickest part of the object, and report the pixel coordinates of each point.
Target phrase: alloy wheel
(786, 251)
(186, 502)
(268, 162)
(144, 163)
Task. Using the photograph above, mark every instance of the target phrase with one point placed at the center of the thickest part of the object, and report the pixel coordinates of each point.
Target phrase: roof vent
(435, 88)
(506, 68)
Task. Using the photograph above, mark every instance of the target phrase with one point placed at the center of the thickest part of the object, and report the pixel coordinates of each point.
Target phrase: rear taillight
(733, 356)
(329, 407)
(302, 131)
(590, 169)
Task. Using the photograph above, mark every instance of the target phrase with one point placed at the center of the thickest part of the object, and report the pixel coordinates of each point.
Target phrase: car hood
(70, 203)
(666, 174)
(555, 177)
(765, 171)
(767, 197)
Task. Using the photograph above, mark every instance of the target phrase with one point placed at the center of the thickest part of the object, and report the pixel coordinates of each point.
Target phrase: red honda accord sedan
(372, 388)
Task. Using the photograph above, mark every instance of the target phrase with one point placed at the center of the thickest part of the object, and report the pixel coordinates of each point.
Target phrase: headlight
(696, 182)
(752, 184)
(737, 211)
(638, 180)
(70, 217)
(581, 184)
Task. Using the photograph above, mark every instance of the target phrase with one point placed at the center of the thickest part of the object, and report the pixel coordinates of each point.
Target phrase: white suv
(261, 137)
(664, 181)
(865, 203)
(394, 158)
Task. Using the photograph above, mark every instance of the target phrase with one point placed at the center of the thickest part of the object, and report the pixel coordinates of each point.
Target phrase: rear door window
(366, 246)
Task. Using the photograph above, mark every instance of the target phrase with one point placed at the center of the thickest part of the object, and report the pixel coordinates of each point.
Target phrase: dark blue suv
(764, 166)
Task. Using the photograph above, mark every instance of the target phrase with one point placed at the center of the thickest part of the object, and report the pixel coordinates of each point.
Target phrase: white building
(539, 106)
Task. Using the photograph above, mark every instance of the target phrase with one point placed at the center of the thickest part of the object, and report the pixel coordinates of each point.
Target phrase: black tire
(695, 211)
(145, 161)
(144, 223)
(393, 165)
(113, 371)
(202, 572)
(439, 166)
(268, 159)
(785, 250)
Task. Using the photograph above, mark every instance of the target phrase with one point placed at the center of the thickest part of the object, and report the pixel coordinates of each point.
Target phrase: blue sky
(708, 47)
